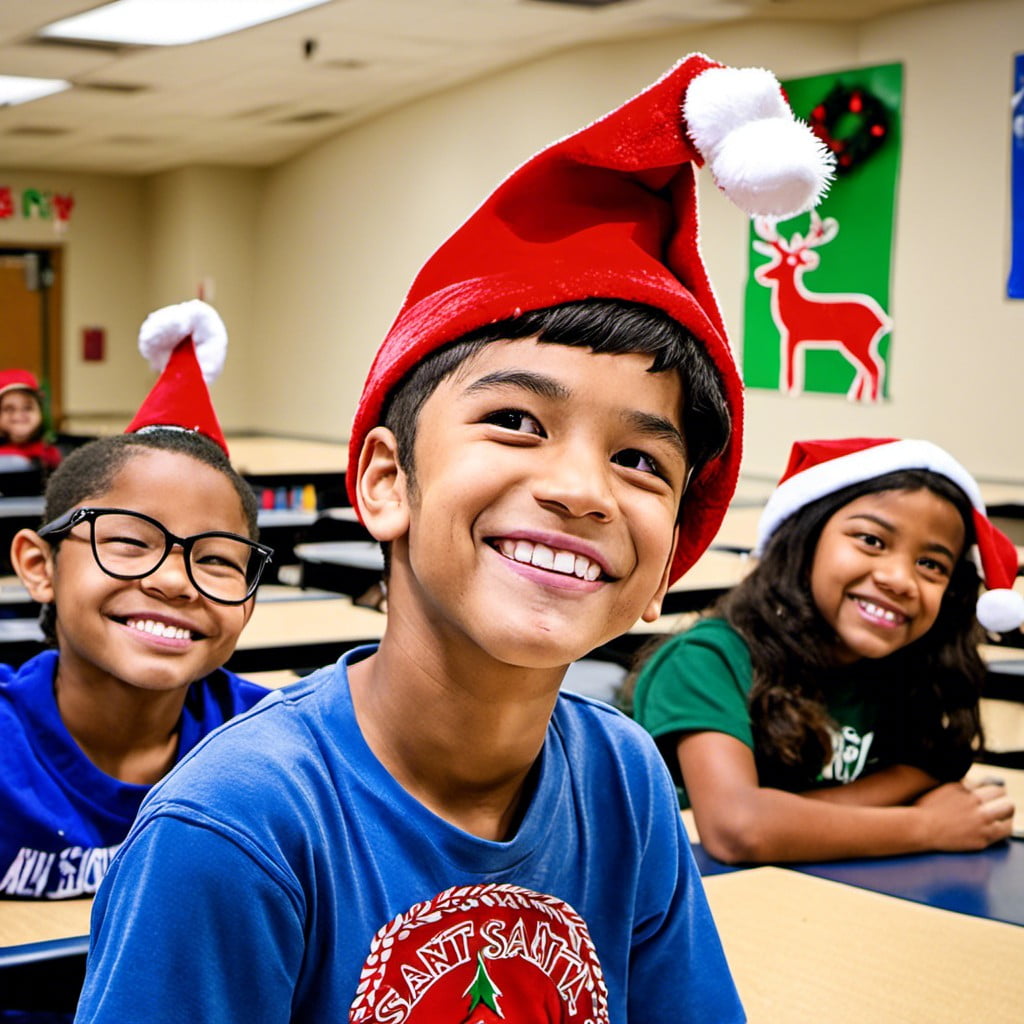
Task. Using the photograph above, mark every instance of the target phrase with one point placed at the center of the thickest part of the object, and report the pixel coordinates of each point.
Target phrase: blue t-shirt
(281, 874)
(61, 817)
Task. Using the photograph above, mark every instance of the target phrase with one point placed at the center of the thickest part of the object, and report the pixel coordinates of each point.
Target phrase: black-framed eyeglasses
(128, 545)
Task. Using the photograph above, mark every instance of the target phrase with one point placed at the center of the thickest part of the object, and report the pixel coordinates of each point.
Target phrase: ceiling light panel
(19, 89)
(171, 22)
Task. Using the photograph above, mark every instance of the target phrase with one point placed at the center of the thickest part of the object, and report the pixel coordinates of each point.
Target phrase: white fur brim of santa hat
(819, 468)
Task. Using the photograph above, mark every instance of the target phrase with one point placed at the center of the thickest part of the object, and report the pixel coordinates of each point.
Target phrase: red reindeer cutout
(853, 324)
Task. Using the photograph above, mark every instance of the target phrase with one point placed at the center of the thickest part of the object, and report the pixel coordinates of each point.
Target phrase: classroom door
(30, 304)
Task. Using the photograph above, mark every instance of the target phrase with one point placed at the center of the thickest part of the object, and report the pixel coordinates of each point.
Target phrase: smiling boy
(429, 830)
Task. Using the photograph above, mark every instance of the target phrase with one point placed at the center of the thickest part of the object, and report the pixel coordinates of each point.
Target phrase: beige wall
(105, 262)
(201, 226)
(369, 206)
(134, 244)
(957, 356)
(310, 260)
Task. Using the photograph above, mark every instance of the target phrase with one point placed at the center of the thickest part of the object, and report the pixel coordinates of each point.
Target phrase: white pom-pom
(163, 329)
(1001, 611)
(768, 163)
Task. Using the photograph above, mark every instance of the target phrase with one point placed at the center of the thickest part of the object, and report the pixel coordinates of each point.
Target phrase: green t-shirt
(700, 680)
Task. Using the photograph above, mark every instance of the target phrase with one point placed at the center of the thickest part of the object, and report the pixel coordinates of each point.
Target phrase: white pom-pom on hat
(1001, 611)
(765, 160)
(163, 329)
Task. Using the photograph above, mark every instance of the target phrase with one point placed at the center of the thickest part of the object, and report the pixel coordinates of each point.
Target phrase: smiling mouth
(876, 611)
(161, 629)
(566, 563)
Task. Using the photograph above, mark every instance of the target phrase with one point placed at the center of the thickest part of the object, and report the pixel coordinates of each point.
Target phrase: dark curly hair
(90, 470)
(936, 680)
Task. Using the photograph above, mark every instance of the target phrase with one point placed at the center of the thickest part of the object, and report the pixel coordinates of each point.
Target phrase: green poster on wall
(816, 312)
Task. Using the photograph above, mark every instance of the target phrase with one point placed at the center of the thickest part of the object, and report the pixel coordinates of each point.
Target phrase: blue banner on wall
(1015, 283)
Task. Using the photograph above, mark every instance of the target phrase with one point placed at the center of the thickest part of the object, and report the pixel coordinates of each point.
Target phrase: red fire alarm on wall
(93, 343)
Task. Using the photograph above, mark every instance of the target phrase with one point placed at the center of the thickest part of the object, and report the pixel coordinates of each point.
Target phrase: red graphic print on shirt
(480, 954)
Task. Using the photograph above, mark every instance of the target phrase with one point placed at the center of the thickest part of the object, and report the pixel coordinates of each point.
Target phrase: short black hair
(606, 326)
(90, 470)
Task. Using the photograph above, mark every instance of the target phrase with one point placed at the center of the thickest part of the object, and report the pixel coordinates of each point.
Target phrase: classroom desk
(347, 554)
(345, 566)
(288, 462)
(738, 532)
(715, 572)
(266, 456)
(42, 953)
(989, 883)
(303, 634)
(250, 453)
(289, 629)
(1003, 499)
(28, 507)
(804, 950)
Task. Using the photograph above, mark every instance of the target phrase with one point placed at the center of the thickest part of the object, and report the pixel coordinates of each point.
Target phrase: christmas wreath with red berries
(844, 106)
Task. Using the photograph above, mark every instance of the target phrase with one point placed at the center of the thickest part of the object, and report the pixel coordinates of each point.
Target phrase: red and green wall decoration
(36, 204)
(816, 311)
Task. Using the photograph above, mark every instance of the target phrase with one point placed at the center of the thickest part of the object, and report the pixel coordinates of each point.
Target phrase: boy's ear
(653, 609)
(33, 561)
(382, 486)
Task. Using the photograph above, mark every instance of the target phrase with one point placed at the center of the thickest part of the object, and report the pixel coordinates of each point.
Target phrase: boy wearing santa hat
(548, 437)
(145, 568)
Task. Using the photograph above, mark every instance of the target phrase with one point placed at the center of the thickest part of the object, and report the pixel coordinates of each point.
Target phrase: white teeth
(565, 561)
(159, 629)
(568, 563)
(879, 612)
(543, 557)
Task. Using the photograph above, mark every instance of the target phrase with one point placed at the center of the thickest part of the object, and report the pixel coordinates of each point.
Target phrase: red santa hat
(187, 344)
(18, 380)
(819, 468)
(611, 212)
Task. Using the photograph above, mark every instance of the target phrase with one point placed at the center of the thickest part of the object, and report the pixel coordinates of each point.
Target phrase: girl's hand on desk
(963, 818)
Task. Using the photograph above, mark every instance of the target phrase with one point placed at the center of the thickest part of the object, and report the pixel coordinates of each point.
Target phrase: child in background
(146, 568)
(22, 427)
(828, 705)
(428, 831)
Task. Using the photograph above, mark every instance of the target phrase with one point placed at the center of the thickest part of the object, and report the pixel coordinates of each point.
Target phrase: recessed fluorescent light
(17, 89)
(171, 22)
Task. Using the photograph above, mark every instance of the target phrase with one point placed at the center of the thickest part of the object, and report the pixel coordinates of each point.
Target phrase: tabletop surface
(256, 456)
(988, 884)
(848, 956)
(54, 926)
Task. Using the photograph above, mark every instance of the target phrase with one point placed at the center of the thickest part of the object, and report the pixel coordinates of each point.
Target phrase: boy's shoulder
(603, 738)
(277, 751)
(25, 682)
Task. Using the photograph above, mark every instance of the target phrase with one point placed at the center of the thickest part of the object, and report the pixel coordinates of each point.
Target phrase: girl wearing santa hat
(146, 569)
(22, 425)
(827, 707)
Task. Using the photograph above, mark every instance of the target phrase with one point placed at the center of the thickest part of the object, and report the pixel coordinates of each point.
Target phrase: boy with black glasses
(141, 620)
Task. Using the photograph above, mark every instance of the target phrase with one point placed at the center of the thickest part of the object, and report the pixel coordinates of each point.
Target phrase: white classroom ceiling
(255, 98)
